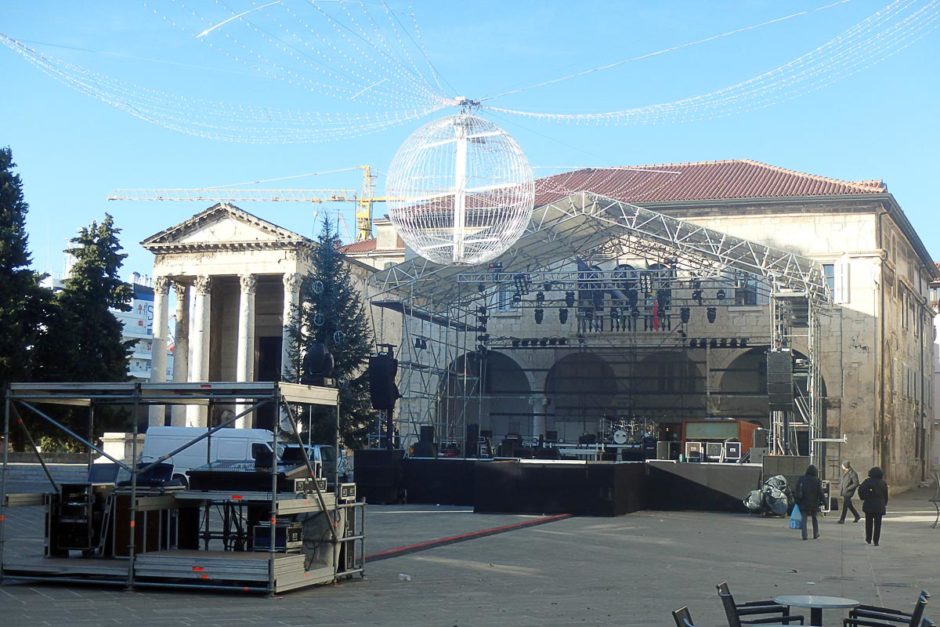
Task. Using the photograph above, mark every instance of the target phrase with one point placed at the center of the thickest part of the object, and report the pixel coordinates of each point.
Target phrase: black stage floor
(567, 486)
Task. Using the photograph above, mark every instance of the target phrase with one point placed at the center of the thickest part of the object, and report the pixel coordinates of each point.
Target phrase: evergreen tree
(23, 303)
(88, 337)
(332, 313)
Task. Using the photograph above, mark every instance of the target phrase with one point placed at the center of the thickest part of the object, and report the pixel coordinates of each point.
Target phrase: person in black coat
(874, 495)
(809, 496)
(849, 485)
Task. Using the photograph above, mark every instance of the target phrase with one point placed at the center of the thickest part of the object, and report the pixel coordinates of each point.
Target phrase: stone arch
(581, 389)
(492, 392)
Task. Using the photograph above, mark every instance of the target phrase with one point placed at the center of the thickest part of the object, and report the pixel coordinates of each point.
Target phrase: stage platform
(577, 487)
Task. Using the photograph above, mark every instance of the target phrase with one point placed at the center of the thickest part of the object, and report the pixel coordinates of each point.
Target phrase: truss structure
(564, 248)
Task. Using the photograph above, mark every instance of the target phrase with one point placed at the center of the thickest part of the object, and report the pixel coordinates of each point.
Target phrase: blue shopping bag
(796, 518)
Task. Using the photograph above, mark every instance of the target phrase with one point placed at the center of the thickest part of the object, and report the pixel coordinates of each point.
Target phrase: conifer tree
(23, 303)
(332, 313)
(88, 335)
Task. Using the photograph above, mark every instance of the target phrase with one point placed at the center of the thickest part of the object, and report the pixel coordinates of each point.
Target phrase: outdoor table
(816, 604)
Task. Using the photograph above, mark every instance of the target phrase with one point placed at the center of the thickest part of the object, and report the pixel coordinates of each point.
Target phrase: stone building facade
(235, 279)
(564, 378)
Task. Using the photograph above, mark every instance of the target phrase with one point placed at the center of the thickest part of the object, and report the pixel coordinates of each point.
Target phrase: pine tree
(23, 303)
(91, 337)
(333, 314)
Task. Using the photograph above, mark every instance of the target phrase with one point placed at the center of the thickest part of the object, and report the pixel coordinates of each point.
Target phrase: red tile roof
(707, 180)
(365, 246)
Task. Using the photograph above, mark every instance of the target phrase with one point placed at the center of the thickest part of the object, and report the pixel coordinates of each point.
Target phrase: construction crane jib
(364, 199)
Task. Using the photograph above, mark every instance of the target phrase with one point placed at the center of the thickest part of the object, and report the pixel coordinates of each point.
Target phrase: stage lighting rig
(539, 315)
(563, 315)
(569, 299)
(685, 314)
(711, 314)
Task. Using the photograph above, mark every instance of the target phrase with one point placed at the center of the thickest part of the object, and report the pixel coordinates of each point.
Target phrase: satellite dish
(620, 436)
(460, 190)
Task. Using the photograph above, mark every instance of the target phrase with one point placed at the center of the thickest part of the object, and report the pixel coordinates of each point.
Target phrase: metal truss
(593, 230)
(589, 226)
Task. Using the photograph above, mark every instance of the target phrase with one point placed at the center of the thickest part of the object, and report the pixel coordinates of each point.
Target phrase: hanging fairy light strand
(881, 35)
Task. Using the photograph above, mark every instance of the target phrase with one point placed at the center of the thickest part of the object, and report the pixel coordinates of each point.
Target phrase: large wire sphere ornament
(460, 190)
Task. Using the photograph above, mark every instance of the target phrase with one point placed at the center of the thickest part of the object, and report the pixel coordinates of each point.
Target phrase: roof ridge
(861, 185)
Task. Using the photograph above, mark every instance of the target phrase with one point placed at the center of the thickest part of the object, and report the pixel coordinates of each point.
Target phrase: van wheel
(181, 480)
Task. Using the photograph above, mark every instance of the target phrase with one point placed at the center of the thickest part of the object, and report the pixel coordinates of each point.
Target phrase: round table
(816, 604)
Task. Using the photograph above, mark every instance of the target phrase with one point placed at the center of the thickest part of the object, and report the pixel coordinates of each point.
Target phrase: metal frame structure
(249, 396)
(589, 227)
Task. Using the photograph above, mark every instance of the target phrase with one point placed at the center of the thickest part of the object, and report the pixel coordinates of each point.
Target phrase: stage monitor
(733, 451)
(693, 451)
(713, 450)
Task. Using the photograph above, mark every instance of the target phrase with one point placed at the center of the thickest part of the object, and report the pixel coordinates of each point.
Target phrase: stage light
(525, 343)
(515, 342)
(743, 342)
(684, 314)
(483, 320)
(723, 342)
(693, 343)
(521, 281)
(569, 299)
(713, 343)
(720, 294)
(635, 313)
(481, 310)
(711, 313)
(562, 341)
(697, 296)
(562, 316)
(540, 297)
(539, 315)
(417, 342)
(547, 287)
(552, 341)
(517, 297)
(543, 341)
(734, 342)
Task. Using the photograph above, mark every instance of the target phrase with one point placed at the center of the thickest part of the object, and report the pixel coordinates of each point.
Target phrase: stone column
(161, 289)
(539, 404)
(245, 359)
(181, 351)
(291, 292)
(196, 415)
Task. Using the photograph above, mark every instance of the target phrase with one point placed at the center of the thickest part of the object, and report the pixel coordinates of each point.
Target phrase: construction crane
(364, 199)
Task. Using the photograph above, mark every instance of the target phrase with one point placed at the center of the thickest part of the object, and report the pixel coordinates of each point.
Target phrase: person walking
(849, 485)
(809, 496)
(874, 495)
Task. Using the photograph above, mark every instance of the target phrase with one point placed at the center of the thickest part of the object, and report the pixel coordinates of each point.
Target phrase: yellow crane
(364, 199)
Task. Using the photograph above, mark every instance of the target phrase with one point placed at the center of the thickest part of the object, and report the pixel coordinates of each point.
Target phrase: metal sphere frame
(460, 190)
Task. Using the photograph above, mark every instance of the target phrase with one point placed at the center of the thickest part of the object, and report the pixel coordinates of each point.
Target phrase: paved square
(631, 570)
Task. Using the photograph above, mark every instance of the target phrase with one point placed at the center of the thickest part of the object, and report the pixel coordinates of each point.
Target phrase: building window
(829, 275)
(504, 298)
(745, 290)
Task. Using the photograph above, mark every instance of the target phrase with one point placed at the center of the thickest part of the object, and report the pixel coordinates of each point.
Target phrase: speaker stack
(780, 380)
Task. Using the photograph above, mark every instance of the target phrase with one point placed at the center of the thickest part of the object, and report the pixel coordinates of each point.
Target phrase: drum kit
(624, 431)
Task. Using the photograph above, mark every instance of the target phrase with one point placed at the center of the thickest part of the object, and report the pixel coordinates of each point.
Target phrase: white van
(224, 444)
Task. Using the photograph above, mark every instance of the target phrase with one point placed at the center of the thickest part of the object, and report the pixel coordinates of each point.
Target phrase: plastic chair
(683, 617)
(754, 612)
(874, 616)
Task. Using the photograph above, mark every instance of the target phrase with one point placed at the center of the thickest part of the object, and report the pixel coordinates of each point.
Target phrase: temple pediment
(221, 227)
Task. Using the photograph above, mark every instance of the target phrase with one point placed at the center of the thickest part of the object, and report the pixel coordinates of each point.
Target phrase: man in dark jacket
(809, 496)
(874, 495)
(848, 488)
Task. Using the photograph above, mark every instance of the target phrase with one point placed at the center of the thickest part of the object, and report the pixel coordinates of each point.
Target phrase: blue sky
(73, 149)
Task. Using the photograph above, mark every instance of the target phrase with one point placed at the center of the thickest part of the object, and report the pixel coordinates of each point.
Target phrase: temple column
(291, 293)
(539, 404)
(161, 289)
(197, 415)
(181, 350)
(245, 359)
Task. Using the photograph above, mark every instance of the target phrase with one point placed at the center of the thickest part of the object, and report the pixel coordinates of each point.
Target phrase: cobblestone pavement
(630, 570)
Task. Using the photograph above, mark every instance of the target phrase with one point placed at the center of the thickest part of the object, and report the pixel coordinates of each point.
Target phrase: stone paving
(630, 570)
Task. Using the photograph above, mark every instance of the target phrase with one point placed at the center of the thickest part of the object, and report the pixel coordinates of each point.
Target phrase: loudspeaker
(471, 447)
(780, 380)
(760, 438)
(426, 434)
(382, 389)
(662, 450)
